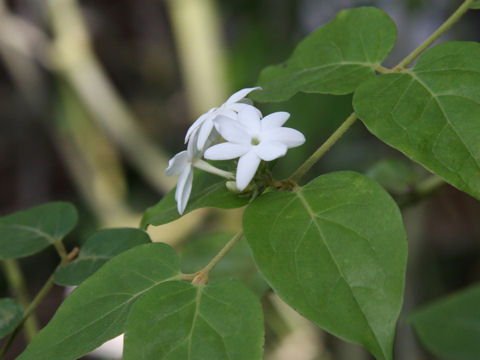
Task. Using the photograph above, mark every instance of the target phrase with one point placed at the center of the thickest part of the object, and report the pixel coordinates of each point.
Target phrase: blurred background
(96, 96)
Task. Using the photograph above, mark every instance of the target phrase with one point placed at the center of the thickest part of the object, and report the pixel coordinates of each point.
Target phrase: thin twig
(297, 175)
(35, 302)
(18, 289)
(432, 38)
(202, 276)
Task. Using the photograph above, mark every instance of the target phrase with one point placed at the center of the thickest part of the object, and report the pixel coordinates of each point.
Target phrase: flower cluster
(247, 136)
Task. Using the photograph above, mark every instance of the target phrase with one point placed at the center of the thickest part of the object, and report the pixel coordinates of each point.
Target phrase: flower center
(255, 141)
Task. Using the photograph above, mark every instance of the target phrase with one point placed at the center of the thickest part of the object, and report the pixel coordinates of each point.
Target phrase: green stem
(18, 289)
(428, 185)
(421, 190)
(382, 70)
(62, 252)
(432, 38)
(201, 277)
(35, 302)
(297, 175)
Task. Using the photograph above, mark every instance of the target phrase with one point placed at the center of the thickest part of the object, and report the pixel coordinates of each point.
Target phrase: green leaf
(97, 250)
(431, 112)
(475, 5)
(11, 314)
(335, 251)
(208, 191)
(180, 321)
(334, 59)
(450, 328)
(97, 310)
(27, 232)
(238, 263)
(396, 175)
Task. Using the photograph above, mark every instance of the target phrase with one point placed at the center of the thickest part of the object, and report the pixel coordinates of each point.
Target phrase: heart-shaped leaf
(431, 112)
(97, 250)
(334, 59)
(97, 310)
(207, 191)
(27, 232)
(178, 320)
(335, 251)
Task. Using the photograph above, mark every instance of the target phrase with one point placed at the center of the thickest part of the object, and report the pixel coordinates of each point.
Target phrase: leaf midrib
(444, 113)
(32, 229)
(313, 217)
(173, 278)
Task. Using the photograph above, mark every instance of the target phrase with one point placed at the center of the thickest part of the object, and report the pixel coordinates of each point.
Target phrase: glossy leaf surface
(29, 231)
(450, 328)
(96, 251)
(334, 59)
(97, 310)
(431, 112)
(180, 321)
(335, 251)
(207, 191)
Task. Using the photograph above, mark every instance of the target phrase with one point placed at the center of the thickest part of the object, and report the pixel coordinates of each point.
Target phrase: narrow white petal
(241, 105)
(247, 167)
(204, 133)
(177, 163)
(184, 188)
(246, 101)
(230, 113)
(197, 123)
(250, 118)
(232, 131)
(270, 150)
(225, 151)
(275, 120)
(288, 136)
(240, 95)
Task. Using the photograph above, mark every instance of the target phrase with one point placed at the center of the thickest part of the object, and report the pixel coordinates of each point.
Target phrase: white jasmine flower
(204, 125)
(183, 164)
(253, 139)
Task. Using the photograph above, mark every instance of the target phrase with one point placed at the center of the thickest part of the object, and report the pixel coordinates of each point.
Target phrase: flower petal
(270, 150)
(250, 118)
(197, 123)
(275, 120)
(192, 151)
(232, 130)
(184, 188)
(230, 114)
(239, 106)
(204, 133)
(240, 94)
(247, 167)
(288, 136)
(177, 163)
(245, 101)
(225, 151)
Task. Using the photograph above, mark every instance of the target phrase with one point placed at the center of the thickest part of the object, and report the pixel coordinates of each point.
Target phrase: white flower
(182, 164)
(253, 139)
(204, 125)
